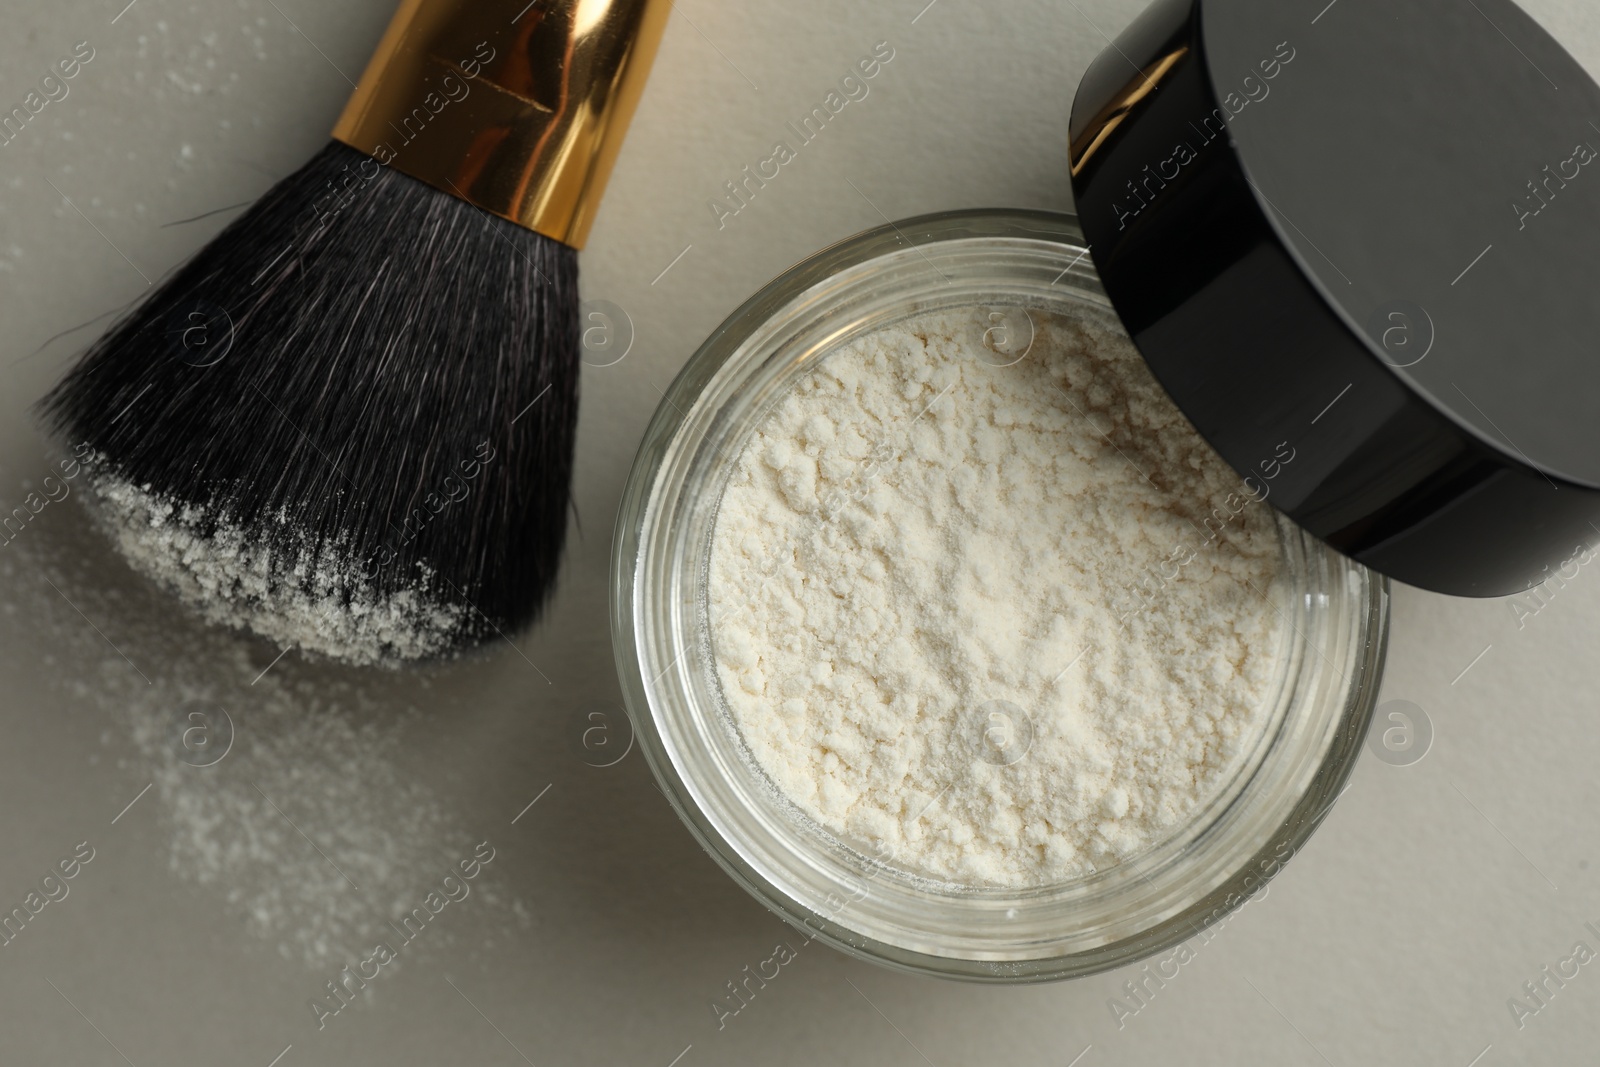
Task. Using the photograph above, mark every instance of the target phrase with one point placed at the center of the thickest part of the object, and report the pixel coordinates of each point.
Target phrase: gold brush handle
(517, 107)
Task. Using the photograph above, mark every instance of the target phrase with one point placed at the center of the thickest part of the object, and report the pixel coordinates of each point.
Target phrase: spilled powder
(926, 608)
(311, 832)
(316, 599)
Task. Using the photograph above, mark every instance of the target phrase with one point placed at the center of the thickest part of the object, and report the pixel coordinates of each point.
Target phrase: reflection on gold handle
(517, 107)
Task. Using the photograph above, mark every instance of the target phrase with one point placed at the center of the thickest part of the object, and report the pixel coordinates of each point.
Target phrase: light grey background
(1430, 895)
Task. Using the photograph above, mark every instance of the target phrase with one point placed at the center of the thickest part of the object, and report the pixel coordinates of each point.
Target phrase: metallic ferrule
(517, 107)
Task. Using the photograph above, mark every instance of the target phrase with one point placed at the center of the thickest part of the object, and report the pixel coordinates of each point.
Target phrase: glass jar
(1335, 614)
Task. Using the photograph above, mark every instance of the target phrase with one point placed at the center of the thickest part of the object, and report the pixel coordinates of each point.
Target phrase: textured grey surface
(1431, 894)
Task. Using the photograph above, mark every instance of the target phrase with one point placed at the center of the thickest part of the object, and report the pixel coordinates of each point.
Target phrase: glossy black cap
(1365, 233)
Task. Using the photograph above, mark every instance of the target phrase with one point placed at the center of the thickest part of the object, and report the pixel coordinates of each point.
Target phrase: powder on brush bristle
(285, 587)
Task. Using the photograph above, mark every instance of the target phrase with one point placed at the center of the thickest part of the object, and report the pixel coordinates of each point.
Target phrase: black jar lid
(1365, 233)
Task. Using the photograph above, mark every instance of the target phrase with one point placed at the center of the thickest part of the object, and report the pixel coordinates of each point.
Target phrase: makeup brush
(348, 422)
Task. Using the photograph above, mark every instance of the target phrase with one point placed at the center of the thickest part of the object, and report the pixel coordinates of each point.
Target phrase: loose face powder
(984, 604)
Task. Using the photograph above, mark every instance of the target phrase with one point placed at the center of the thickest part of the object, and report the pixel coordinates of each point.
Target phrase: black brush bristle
(353, 410)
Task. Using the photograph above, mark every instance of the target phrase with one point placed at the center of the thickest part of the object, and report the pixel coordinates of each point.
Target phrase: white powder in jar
(1007, 625)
